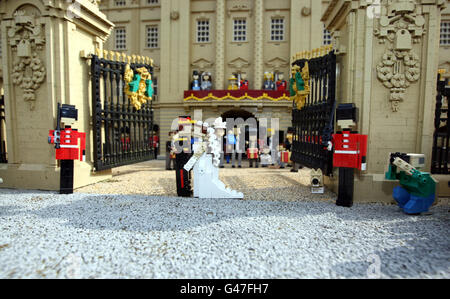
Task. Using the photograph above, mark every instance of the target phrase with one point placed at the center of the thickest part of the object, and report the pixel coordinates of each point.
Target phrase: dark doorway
(237, 113)
(245, 115)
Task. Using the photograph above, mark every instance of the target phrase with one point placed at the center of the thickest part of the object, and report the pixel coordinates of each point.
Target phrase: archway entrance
(238, 113)
(244, 115)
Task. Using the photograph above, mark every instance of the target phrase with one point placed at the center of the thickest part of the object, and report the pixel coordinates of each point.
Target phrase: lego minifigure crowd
(239, 81)
(255, 151)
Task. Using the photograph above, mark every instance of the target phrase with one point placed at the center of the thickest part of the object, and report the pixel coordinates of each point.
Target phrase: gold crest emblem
(139, 86)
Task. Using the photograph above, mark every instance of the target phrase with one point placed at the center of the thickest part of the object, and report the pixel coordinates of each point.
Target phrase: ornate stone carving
(239, 64)
(277, 63)
(306, 11)
(202, 64)
(399, 28)
(26, 38)
(239, 8)
(174, 15)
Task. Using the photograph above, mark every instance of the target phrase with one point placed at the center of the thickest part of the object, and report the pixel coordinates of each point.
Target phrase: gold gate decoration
(139, 86)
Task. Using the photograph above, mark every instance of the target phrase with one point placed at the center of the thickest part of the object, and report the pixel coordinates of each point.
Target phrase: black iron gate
(3, 157)
(314, 123)
(440, 156)
(122, 134)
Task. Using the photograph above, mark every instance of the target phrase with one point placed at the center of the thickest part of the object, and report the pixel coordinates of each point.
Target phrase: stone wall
(41, 45)
(387, 66)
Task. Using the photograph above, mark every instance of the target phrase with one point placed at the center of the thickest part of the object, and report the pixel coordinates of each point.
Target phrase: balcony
(237, 95)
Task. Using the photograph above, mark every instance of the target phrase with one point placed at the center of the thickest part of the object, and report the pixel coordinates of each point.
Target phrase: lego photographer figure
(417, 190)
(350, 150)
(66, 144)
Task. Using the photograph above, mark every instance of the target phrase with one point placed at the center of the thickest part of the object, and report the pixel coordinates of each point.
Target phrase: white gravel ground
(47, 235)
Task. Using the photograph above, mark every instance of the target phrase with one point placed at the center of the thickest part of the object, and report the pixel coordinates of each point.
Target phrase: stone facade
(41, 65)
(388, 67)
(221, 55)
(41, 43)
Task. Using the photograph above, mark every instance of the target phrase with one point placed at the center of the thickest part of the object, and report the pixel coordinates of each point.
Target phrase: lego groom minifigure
(350, 150)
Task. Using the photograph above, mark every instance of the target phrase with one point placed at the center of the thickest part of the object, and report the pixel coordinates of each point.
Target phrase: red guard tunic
(244, 85)
(281, 85)
(350, 150)
(252, 153)
(69, 149)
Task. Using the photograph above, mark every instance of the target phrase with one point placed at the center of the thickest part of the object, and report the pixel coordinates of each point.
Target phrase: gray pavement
(47, 235)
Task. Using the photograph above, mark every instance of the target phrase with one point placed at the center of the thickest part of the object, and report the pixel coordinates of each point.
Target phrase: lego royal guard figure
(281, 84)
(350, 150)
(66, 144)
(244, 82)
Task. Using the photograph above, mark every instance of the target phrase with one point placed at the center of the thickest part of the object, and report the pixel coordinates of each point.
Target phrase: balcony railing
(236, 95)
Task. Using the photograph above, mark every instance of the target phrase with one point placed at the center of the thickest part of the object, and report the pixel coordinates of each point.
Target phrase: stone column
(388, 62)
(258, 49)
(42, 67)
(175, 27)
(220, 45)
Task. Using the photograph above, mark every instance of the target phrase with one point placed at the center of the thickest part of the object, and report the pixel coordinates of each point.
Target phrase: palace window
(240, 30)
(152, 37)
(203, 31)
(445, 33)
(326, 36)
(277, 29)
(152, 1)
(120, 2)
(121, 38)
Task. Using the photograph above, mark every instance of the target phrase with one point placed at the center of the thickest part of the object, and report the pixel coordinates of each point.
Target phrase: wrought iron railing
(314, 123)
(3, 155)
(122, 134)
(440, 155)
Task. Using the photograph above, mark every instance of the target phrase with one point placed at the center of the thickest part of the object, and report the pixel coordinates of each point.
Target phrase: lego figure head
(346, 116)
(266, 151)
(233, 81)
(195, 75)
(244, 76)
(69, 114)
(268, 76)
(220, 126)
(184, 126)
(289, 137)
(280, 76)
